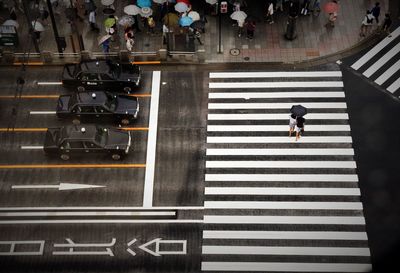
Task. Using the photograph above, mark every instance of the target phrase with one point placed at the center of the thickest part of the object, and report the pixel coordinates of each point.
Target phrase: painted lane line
(292, 220)
(281, 205)
(61, 186)
(31, 147)
(42, 112)
(282, 191)
(49, 83)
(152, 141)
(72, 166)
(370, 54)
(283, 177)
(97, 208)
(309, 105)
(281, 164)
(313, 84)
(299, 151)
(288, 74)
(383, 60)
(89, 213)
(285, 267)
(21, 130)
(251, 139)
(274, 128)
(388, 73)
(144, 95)
(276, 250)
(394, 86)
(277, 116)
(285, 235)
(101, 221)
(273, 95)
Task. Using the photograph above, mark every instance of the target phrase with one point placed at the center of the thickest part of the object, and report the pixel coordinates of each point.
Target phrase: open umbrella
(212, 2)
(37, 26)
(132, 10)
(126, 20)
(146, 12)
(104, 38)
(109, 22)
(198, 24)
(194, 15)
(143, 3)
(185, 21)
(331, 7)
(107, 2)
(298, 110)
(181, 7)
(159, 1)
(239, 15)
(171, 20)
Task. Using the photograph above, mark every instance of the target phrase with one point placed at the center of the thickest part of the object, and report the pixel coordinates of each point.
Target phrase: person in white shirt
(366, 23)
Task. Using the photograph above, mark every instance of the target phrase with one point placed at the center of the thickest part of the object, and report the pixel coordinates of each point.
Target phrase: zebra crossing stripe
(285, 235)
(254, 139)
(313, 84)
(310, 105)
(287, 250)
(388, 73)
(285, 267)
(370, 54)
(275, 128)
(282, 151)
(281, 191)
(291, 74)
(283, 177)
(272, 95)
(394, 86)
(276, 205)
(275, 116)
(379, 63)
(281, 164)
(293, 220)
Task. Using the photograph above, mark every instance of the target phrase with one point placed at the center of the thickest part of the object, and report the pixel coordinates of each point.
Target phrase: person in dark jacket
(376, 11)
(299, 126)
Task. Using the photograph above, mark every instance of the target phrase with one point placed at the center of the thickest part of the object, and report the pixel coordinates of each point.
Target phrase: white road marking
(370, 54)
(89, 213)
(276, 250)
(285, 267)
(42, 112)
(277, 205)
(285, 235)
(152, 141)
(274, 128)
(100, 221)
(283, 177)
(313, 84)
(309, 105)
(61, 186)
(49, 83)
(281, 191)
(276, 116)
(280, 164)
(98, 208)
(394, 86)
(32, 147)
(297, 151)
(251, 139)
(293, 220)
(272, 95)
(290, 74)
(383, 60)
(388, 73)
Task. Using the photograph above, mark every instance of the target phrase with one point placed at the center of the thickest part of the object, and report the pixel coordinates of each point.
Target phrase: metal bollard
(201, 55)
(163, 53)
(85, 55)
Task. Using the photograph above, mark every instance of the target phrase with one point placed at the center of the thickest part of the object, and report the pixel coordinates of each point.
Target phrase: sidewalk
(269, 45)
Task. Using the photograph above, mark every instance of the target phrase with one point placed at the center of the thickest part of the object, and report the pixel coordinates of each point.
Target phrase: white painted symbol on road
(130, 250)
(49, 83)
(71, 245)
(42, 112)
(13, 252)
(158, 242)
(61, 187)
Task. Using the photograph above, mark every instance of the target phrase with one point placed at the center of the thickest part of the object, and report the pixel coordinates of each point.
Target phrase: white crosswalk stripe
(274, 204)
(382, 63)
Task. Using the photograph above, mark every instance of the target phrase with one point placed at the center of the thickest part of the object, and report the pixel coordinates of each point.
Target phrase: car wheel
(116, 156)
(76, 121)
(81, 88)
(127, 89)
(125, 121)
(64, 157)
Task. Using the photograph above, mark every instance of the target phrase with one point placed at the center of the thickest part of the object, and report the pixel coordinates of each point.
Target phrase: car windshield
(111, 102)
(101, 136)
(115, 70)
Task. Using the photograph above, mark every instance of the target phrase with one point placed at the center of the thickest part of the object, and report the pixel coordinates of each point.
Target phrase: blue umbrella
(185, 21)
(144, 3)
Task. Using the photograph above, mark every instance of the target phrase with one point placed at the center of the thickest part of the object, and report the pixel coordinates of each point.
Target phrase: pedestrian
(270, 12)
(376, 11)
(386, 24)
(236, 6)
(151, 24)
(292, 124)
(197, 35)
(250, 28)
(279, 5)
(332, 19)
(316, 7)
(92, 21)
(165, 31)
(366, 23)
(106, 46)
(130, 41)
(299, 127)
(240, 27)
(305, 8)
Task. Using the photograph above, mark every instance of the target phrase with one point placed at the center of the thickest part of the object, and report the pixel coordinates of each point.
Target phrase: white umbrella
(126, 20)
(212, 2)
(104, 38)
(181, 7)
(37, 26)
(146, 12)
(160, 1)
(239, 15)
(107, 2)
(132, 10)
(194, 15)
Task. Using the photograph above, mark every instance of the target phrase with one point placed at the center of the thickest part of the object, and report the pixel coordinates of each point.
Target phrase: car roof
(87, 98)
(97, 66)
(74, 132)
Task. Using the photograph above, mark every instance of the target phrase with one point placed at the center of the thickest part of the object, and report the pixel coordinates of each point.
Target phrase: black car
(102, 75)
(74, 140)
(97, 105)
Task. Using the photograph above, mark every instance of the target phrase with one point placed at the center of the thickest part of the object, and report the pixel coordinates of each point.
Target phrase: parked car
(75, 140)
(102, 75)
(97, 106)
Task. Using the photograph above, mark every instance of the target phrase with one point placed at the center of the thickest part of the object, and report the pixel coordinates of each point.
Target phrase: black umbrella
(198, 24)
(298, 110)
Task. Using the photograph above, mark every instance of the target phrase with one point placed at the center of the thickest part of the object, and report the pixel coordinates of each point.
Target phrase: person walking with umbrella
(299, 126)
(292, 124)
(297, 113)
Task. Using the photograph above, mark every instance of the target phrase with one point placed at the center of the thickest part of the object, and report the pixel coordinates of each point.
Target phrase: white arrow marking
(61, 187)
(143, 247)
(130, 250)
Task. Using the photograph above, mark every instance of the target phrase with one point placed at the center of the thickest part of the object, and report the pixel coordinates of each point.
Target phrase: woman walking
(299, 126)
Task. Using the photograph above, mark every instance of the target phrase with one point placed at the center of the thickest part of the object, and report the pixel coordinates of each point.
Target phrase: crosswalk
(274, 204)
(382, 63)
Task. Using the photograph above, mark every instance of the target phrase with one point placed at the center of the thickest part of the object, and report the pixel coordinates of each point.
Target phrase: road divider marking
(144, 95)
(146, 62)
(61, 186)
(28, 63)
(103, 221)
(49, 83)
(42, 112)
(19, 130)
(89, 213)
(32, 147)
(72, 166)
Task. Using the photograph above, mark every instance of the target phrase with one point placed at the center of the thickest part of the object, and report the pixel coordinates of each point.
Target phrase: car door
(76, 147)
(92, 147)
(108, 81)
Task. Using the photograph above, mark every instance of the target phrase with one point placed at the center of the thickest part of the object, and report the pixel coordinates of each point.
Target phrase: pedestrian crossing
(381, 64)
(274, 204)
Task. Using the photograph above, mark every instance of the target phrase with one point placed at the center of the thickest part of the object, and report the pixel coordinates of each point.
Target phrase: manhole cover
(234, 51)
(246, 58)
